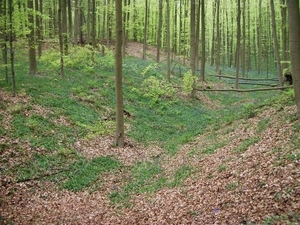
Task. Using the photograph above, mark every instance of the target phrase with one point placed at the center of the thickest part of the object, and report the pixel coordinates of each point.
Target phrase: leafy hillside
(221, 158)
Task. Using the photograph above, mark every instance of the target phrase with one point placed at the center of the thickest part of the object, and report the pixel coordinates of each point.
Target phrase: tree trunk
(70, 24)
(4, 38)
(284, 41)
(168, 42)
(31, 40)
(193, 43)
(12, 60)
(93, 34)
(203, 55)
(212, 52)
(61, 39)
(238, 43)
(218, 38)
(119, 139)
(294, 21)
(276, 46)
(76, 22)
(243, 47)
(65, 26)
(159, 31)
(145, 30)
(259, 38)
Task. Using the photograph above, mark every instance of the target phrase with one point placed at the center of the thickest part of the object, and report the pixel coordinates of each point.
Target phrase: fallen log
(245, 90)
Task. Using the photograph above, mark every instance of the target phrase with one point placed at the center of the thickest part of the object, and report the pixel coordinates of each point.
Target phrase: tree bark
(160, 8)
(145, 30)
(4, 37)
(203, 55)
(12, 60)
(193, 43)
(238, 43)
(119, 138)
(276, 45)
(61, 39)
(168, 42)
(31, 40)
(294, 21)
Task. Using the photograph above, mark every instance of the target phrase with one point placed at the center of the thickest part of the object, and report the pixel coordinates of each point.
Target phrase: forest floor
(244, 172)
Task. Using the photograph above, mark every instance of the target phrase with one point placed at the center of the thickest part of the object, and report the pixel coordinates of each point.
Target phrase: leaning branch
(242, 78)
(245, 90)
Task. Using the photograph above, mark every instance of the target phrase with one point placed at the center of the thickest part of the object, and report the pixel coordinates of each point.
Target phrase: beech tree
(276, 45)
(119, 138)
(294, 21)
(31, 39)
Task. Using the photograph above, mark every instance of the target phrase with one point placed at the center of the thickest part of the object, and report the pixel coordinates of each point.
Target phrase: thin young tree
(294, 21)
(12, 59)
(61, 39)
(119, 138)
(276, 45)
(160, 12)
(193, 43)
(218, 37)
(238, 43)
(145, 29)
(284, 39)
(259, 37)
(168, 42)
(31, 39)
(203, 41)
(4, 37)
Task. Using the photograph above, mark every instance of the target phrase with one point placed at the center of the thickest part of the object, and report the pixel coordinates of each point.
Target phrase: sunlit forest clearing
(211, 128)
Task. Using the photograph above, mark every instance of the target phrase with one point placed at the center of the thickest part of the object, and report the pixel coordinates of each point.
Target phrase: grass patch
(145, 177)
(222, 167)
(246, 143)
(263, 125)
(180, 175)
(84, 173)
(290, 219)
(42, 132)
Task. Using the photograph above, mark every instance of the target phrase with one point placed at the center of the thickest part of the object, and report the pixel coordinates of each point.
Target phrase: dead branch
(246, 90)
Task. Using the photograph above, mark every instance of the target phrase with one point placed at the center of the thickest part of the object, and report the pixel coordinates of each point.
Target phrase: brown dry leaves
(226, 188)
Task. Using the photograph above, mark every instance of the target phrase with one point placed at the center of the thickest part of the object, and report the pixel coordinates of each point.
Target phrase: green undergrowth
(156, 113)
(148, 177)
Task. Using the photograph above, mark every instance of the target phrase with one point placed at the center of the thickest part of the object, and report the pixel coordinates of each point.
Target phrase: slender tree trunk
(168, 42)
(238, 43)
(93, 23)
(119, 139)
(193, 43)
(218, 38)
(203, 53)
(259, 37)
(284, 36)
(108, 29)
(160, 8)
(12, 60)
(39, 25)
(243, 49)
(276, 46)
(88, 22)
(198, 32)
(70, 23)
(65, 26)
(212, 53)
(294, 21)
(31, 40)
(124, 30)
(145, 30)
(61, 39)
(4, 37)
(76, 22)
